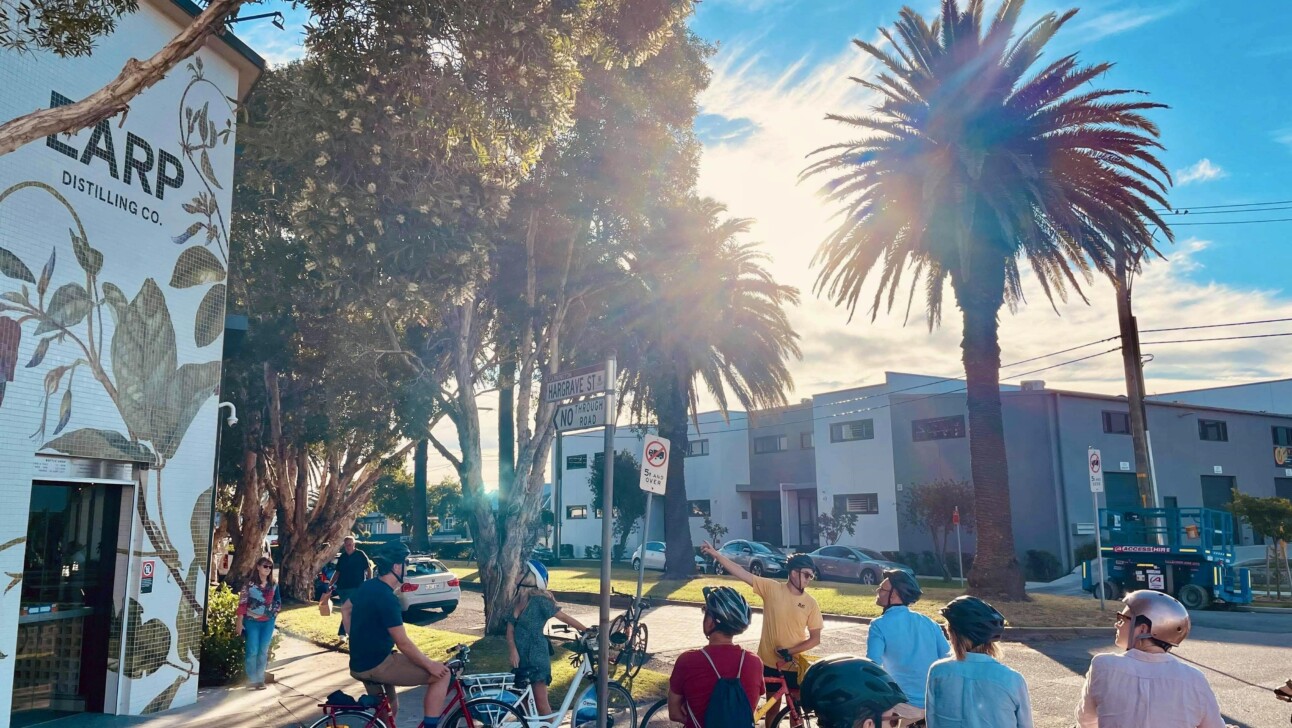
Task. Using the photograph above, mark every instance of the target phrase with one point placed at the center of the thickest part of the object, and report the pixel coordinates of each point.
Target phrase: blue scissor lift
(1185, 552)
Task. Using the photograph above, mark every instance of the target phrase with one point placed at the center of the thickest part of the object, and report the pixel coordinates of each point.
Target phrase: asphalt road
(1236, 648)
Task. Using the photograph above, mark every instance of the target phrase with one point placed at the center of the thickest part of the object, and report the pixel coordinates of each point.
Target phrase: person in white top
(1145, 686)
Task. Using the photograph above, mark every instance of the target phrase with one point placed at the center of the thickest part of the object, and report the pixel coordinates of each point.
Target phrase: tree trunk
(1133, 371)
(679, 555)
(419, 516)
(506, 437)
(996, 573)
(249, 524)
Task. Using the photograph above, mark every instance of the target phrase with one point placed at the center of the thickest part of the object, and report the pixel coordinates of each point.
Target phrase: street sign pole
(607, 544)
(557, 478)
(1095, 462)
(654, 478)
(960, 547)
(641, 571)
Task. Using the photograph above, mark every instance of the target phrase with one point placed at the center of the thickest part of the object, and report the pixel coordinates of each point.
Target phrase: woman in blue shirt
(972, 689)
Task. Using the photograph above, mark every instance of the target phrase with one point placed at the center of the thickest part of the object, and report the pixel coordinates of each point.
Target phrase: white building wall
(584, 532)
(1274, 397)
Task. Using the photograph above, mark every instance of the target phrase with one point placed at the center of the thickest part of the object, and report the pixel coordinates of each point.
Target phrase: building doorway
(807, 520)
(65, 620)
(765, 511)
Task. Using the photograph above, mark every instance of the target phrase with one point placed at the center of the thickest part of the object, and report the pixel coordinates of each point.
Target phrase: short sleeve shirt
(787, 617)
(694, 678)
(351, 569)
(374, 610)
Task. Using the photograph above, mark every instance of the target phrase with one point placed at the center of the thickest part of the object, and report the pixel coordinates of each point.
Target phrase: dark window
(938, 428)
(574, 513)
(863, 503)
(598, 458)
(1282, 436)
(1170, 501)
(697, 447)
(1117, 423)
(855, 430)
(771, 443)
(698, 508)
(805, 440)
(576, 462)
(1213, 430)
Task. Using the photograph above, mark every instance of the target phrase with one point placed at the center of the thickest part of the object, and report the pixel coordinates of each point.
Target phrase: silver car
(758, 557)
(849, 563)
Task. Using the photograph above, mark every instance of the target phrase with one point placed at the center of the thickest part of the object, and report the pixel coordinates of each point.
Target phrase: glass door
(66, 612)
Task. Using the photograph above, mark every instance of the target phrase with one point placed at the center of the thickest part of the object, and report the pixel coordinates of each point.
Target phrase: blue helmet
(537, 572)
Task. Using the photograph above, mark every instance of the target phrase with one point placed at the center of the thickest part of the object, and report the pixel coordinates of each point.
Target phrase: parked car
(429, 583)
(543, 555)
(759, 557)
(654, 558)
(1262, 576)
(849, 563)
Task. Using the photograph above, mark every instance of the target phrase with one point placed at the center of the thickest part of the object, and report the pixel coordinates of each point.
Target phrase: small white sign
(575, 383)
(1156, 580)
(654, 464)
(580, 415)
(1217, 469)
(1287, 472)
(1125, 465)
(1096, 467)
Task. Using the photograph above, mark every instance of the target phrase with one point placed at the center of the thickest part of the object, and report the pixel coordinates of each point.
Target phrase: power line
(1183, 212)
(1235, 204)
(1231, 222)
(1216, 326)
(1217, 338)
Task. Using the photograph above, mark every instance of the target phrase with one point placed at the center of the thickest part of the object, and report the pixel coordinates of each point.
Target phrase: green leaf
(116, 301)
(46, 273)
(209, 171)
(90, 259)
(186, 392)
(143, 358)
(91, 442)
(209, 323)
(12, 266)
(15, 297)
(68, 307)
(64, 411)
(149, 646)
(166, 697)
(42, 348)
(196, 266)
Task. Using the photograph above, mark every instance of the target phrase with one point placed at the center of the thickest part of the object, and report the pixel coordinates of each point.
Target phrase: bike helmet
(974, 619)
(729, 610)
(844, 690)
(800, 561)
(535, 573)
(1167, 618)
(391, 554)
(904, 585)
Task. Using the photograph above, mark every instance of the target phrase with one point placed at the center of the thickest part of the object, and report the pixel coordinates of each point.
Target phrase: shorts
(395, 670)
(791, 679)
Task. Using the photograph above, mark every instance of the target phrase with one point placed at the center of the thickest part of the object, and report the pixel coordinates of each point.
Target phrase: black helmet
(974, 619)
(801, 561)
(842, 690)
(391, 554)
(904, 584)
(729, 610)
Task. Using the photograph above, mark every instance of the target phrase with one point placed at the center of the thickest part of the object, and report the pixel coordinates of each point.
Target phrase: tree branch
(115, 97)
(444, 453)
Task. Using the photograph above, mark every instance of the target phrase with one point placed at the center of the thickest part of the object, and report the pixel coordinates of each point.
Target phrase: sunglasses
(1122, 619)
(807, 575)
(893, 721)
(266, 566)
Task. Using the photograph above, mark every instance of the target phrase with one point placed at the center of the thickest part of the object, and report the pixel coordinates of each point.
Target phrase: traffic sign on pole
(580, 415)
(1096, 466)
(575, 383)
(654, 464)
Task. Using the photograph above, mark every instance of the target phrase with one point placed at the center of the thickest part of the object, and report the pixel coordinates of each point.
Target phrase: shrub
(458, 550)
(223, 651)
(567, 550)
(1084, 552)
(1042, 565)
(592, 552)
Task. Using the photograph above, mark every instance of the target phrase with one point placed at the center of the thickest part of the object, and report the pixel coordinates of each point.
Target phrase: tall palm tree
(969, 163)
(704, 312)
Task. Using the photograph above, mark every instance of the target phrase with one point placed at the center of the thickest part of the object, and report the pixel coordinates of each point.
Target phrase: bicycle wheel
(785, 720)
(350, 719)
(485, 712)
(620, 713)
(657, 716)
(635, 652)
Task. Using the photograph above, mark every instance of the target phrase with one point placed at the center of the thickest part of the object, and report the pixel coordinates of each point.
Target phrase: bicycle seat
(522, 679)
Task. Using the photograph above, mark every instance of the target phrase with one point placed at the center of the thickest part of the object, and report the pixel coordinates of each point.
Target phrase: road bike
(629, 636)
(460, 710)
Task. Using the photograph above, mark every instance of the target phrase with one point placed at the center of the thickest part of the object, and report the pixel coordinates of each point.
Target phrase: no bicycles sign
(654, 464)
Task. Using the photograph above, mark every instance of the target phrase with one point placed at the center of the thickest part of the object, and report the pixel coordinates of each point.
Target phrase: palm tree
(703, 312)
(968, 165)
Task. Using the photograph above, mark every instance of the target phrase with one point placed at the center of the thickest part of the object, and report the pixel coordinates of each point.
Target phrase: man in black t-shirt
(352, 570)
(375, 621)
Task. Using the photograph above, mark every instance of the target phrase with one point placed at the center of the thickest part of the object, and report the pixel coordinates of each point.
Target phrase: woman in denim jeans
(258, 606)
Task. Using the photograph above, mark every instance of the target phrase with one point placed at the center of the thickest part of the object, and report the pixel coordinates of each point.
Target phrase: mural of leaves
(90, 259)
(209, 323)
(46, 273)
(143, 358)
(151, 643)
(68, 307)
(93, 440)
(196, 266)
(64, 411)
(192, 230)
(207, 170)
(13, 267)
(116, 300)
(188, 621)
(42, 349)
(199, 524)
(166, 697)
(186, 391)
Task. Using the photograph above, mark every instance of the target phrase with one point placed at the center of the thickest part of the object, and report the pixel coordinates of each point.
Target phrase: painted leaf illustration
(210, 316)
(143, 358)
(90, 259)
(186, 392)
(46, 273)
(91, 440)
(116, 301)
(196, 266)
(166, 697)
(12, 266)
(53, 377)
(185, 236)
(199, 523)
(188, 621)
(209, 171)
(64, 411)
(68, 307)
(150, 646)
(41, 349)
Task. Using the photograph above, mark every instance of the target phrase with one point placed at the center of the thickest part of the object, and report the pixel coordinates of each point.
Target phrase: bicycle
(629, 636)
(460, 711)
(502, 687)
(657, 716)
(790, 716)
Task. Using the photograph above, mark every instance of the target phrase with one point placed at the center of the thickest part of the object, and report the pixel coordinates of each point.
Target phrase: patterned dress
(527, 633)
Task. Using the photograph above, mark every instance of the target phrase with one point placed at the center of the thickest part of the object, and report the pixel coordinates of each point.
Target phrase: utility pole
(1133, 365)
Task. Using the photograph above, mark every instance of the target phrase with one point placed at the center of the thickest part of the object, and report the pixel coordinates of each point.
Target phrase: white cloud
(1201, 171)
(1284, 136)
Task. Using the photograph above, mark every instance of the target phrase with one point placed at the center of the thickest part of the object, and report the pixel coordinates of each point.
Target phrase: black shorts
(791, 678)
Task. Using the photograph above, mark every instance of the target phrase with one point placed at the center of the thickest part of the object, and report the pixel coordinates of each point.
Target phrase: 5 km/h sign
(581, 415)
(1096, 471)
(575, 383)
(654, 465)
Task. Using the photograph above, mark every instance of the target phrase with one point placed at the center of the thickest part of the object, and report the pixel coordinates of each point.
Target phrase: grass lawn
(858, 600)
(488, 654)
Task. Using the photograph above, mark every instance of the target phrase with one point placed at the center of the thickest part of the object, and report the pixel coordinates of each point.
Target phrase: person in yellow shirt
(791, 618)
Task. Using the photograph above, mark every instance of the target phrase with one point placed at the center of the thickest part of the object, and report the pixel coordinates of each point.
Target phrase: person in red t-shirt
(696, 673)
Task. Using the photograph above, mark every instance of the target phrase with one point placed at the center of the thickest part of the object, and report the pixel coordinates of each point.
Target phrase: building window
(856, 430)
(805, 440)
(699, 508)
(695, 448)
(1213, 430)
(576, 462)
(575, 513)
(1282, 436)
(771, 443)
(598, 459)
(1117, 423)
(863, 503)
(938, 428)
(597, 514)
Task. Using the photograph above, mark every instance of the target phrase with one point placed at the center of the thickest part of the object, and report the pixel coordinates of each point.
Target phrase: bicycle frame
(526, 699)
(782, 692)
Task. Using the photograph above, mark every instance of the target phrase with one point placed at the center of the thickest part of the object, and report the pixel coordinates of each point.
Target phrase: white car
(429, 583)
(654, 558)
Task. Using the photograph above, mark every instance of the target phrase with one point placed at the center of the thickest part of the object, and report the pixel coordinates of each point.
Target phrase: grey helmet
(1168, 619)
(727, 608)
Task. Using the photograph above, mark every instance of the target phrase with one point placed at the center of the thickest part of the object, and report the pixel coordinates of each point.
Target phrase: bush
(223, 651)
(1041, 565)
(1084, 552)
(459, 550)
(567, 550)
(592, 552)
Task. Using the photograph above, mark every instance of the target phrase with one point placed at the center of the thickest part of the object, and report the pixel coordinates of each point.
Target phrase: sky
(1224, 70)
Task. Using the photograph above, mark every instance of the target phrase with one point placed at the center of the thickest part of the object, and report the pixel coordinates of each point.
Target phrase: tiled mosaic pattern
(113, 255)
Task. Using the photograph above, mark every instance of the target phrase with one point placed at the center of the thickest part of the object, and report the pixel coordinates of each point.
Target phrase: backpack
(728, 704)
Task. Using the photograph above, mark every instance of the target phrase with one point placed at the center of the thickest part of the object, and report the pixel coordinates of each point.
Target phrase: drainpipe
(1060, 492)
